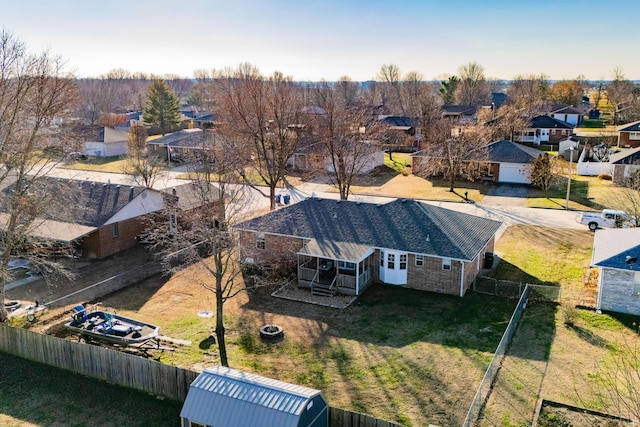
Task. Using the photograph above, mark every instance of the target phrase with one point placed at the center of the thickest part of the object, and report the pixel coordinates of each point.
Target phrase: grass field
(397, 354)
(33, 394)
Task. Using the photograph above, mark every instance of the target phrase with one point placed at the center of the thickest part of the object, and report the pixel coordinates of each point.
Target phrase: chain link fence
(486, 384)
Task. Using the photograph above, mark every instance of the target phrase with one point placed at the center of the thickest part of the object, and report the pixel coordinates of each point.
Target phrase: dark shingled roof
(468, 110)
(405, 225)
(630, 127)
(183, 138)
(548, 122)
(617, 248)
(86, 203)
(505, 151)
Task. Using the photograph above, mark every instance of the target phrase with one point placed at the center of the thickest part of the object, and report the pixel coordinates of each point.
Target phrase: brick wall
(278, 252)
(432, 277)
(625, 141)
(101, 243)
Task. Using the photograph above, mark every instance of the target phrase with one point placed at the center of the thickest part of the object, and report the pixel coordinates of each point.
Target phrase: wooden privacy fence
(128, 370)
(98, 362)
(342, 418)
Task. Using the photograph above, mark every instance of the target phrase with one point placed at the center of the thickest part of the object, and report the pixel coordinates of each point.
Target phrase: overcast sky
(316, 39)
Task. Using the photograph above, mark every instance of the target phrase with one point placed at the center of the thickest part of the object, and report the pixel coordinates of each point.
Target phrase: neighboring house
(616, 253)
(227, 397)
(342, 246)
(544, 129)
(619, 164)
(506, 162)
(511, 162)
(567, 114)
(315, 158)
(178, 146)
(624, 163)
(462, 114)
(101, 219)
(629, 135)
(111, 141)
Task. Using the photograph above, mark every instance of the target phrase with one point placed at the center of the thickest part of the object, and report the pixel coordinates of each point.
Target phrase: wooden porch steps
(323, 290)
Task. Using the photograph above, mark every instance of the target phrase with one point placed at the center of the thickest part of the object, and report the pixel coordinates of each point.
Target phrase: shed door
(393, 267)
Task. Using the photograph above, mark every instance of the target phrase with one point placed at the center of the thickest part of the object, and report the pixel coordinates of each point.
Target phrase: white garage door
(516, 173)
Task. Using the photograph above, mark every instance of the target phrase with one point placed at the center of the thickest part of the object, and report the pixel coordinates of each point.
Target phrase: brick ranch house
(101, 219)
(342, 247)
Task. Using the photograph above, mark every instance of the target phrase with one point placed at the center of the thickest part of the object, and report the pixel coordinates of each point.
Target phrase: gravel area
(291, 291)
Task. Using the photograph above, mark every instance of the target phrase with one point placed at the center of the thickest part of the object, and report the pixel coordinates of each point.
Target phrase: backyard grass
(397, 354)
(549, 359)
(32, 394)
(542, 255)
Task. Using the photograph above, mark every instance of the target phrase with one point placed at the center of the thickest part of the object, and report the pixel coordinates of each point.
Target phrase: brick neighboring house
(544, 129)
(342, 246)
(616, 253)
(506, 161)
(629, 135)
(101, 219)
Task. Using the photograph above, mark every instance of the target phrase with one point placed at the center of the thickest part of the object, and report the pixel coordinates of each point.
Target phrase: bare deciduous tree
(339, 131)
(204, 237)
(528, 91)
(146, 167)
(472, 88)
(258, 113)
(453, 152)
(35, 91)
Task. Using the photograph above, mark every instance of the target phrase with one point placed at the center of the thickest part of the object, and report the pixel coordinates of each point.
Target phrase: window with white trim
(391, 261)
(553, 131)
(634, 135)
(403, 261)
(419, 260)
(446, 263)
(381, 259)
(260, 242)
(345, 265)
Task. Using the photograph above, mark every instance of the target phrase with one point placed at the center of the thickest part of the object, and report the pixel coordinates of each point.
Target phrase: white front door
(393, 267)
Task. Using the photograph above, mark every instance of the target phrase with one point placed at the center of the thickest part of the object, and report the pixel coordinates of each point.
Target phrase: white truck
(608, 218)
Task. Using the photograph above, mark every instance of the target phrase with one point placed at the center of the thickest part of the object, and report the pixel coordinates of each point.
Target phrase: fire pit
(271, 331)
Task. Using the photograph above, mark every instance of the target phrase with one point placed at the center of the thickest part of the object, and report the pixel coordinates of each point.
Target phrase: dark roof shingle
(404, 225)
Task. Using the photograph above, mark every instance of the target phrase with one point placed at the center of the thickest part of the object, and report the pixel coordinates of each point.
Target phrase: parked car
(608, 218)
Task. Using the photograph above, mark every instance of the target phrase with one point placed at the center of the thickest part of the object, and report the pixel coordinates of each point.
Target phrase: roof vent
(334, 215)
(428, 239)
(631, 259)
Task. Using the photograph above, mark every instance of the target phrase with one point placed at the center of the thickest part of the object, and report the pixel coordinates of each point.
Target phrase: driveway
(506, 195)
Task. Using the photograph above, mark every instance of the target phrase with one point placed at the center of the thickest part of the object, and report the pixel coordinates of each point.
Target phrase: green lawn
(541, 255)
(396, 354)
(32, 394)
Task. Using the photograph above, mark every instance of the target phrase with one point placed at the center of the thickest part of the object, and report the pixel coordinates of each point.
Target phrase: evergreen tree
(162, 108)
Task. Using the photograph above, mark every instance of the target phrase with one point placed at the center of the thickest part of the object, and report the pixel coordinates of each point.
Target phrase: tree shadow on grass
(588, 336)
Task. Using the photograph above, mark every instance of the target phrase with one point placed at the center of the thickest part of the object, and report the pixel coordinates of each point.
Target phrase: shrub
(570, 313)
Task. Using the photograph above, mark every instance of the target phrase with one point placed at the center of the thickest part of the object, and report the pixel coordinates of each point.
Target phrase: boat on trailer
(110, 328)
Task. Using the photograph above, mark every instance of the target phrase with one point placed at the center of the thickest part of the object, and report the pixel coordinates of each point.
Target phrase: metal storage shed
(224, 397)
